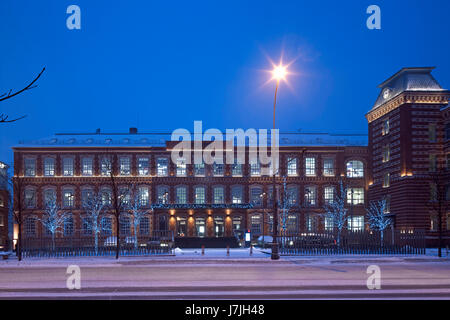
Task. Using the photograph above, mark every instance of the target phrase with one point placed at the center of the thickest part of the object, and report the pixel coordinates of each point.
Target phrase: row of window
(354, 168)
(256, 195)
(432, 136)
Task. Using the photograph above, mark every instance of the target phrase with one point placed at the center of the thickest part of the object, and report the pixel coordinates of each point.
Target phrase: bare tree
(4, 118)
(53, 218)
(336, 211)
(93, 206)
(138, 208)
(287, 202)
(439, 202)
(376, 214)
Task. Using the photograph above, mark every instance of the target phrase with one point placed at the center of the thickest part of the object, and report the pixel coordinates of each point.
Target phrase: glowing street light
(279, 72)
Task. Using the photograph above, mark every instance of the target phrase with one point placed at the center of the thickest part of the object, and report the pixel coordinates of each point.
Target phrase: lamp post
(279, 73)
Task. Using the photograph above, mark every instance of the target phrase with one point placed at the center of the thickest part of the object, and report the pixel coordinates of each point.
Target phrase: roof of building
(159, 139)
(407, 79)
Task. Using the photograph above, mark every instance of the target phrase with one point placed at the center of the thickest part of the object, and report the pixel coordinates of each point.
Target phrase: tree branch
(28, 87)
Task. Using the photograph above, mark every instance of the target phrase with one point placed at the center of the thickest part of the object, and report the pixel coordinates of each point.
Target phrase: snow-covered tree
(138, 207)
(53, 218)
(93, 205)
(336, 212)
(377, 219)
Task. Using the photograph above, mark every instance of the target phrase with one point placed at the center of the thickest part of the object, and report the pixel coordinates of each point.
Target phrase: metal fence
(353, 242)
(158, 243)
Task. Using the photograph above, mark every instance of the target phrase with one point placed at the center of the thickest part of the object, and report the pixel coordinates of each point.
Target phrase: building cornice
(408, 97)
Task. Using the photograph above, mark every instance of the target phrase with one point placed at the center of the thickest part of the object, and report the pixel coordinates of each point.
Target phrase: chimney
(97, 131)
(133, 130)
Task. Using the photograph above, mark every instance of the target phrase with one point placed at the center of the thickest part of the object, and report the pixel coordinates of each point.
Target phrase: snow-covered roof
(105, 140)
(407, 79)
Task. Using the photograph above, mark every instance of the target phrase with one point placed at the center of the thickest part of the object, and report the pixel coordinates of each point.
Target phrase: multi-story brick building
(4, 207)
(192, 200)
(409, 134)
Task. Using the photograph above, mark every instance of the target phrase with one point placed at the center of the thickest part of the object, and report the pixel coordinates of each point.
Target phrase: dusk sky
(160, 65)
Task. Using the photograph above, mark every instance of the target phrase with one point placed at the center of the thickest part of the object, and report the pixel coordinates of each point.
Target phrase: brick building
(4, 207)
(409, 138)
(192, 200)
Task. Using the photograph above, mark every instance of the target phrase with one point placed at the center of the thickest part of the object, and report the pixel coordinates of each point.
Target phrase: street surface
(217, 276)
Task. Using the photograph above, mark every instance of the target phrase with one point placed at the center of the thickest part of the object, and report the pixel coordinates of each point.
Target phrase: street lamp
(278, 73)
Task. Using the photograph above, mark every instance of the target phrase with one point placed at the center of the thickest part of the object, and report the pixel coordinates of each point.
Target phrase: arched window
(355, 169)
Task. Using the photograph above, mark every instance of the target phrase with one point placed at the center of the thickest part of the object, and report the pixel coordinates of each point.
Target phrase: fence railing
(158, 242)
(353, 242)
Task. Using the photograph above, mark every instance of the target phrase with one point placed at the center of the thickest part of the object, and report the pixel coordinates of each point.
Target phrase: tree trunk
(135, 236)
(117, 237)
(19, 242)
(381, 237)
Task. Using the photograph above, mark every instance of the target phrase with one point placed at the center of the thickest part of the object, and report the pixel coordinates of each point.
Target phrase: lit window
(68, 166)
(144, 226)
(256, 223)
(143, 166)
(355, 169)
(219, 195)
(218, 169)
(30, 167)
(236, 194)
(292, 195)
(68, 226)
(386, 180)
(255, 196)
(328, 167)
(143, 196)
(106, 224)
(200, 197)
(106, 167)
(199, 169)
(49, 167)
(86, 195)
(355, 223)
(30, 198)
(385, 127)
(124, 196)
(328, 223)
(236, 169)
(125, 166)
(387, 208)
(181, 195)
(162, 167)
(386, 153)
(86, 226)
(125, 225)
(355, 194)
(434, 222)
(329, 194)
(106, 196)
(87, 166)
(292, 166)
(181, 167)
(163, 194)
(311, 223)
(310, 196)
(255, 167)
(310, 166)
(68, 197)
(49, 197)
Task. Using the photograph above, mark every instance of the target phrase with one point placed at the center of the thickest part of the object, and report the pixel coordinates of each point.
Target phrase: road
(214, 279)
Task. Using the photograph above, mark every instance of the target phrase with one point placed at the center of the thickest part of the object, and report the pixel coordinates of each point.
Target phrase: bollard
(251, 249)
(203, 249)
(228, 250)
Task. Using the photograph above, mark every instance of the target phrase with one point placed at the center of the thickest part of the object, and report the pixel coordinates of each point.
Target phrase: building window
(68, 226)
(355, 169)
(199, 194)
(49, 167)
(86, 195)
(328, 194)
(292, 195)
(434, 222)
(447, 131)
(386, 180)
(236, 169)
(106, 197)
(386, 153)
(328, 167)
(219, 195)
(86, 226)
(385, 127)
(124, 196)
(236, 194)
(217, 169)
(162, 167)
(68, 166)
(255, 224)
(125, 225)
(144, 226)
(30, 167)
(30, 198)
(143, 196)
(311, 223)
(292, 166)
(310, 196)
(125, 166)
(49, 197)
(199, 169)
(143, 166)
(355, 194)
(433, 191)
(432, 162)
(163, 195)
(106, 224)
(200, 227)
(310, 166)
(292, 226)
(87, 166)
(68, 198)
(328, 223)
(432, 132)
(30, 226)
(387, 208)
(255, 196)
(355, 223)
(255, 168)
(237, 223)
(219, 227)
(106, 167)
(181, 195)
(181, 167)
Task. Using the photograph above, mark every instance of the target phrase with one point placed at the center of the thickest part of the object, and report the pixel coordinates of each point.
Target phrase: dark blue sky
(160, 65)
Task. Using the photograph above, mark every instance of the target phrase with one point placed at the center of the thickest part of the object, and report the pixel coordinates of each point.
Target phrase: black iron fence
(158, 243)
(353, 242)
